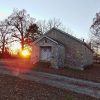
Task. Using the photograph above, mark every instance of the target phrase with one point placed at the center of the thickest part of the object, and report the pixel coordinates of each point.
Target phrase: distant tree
(95, 30)
(22, 25)
(4, 36)
(33, 33)
(44, 25)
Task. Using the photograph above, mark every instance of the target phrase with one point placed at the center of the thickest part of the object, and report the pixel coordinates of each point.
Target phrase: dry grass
(91, 73)
(13, 88)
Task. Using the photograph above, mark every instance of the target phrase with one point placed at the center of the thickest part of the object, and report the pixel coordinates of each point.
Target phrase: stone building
(62, 50)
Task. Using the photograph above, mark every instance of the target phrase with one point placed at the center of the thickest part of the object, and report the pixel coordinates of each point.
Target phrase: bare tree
(21, 25)
(44, 25)
(95, 30)
(4, 36)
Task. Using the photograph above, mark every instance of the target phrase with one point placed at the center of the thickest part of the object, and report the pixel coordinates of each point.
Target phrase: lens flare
(18, 65)
(25, 53)
(25, 61)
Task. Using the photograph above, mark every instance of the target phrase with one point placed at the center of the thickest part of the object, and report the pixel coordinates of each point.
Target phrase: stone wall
(77, 55)
(56, 50)
(61, 55)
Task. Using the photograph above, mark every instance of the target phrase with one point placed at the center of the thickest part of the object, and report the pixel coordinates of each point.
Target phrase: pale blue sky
(74, 14)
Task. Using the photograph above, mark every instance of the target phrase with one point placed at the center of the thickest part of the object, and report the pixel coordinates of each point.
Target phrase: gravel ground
(92, 73)
(13, 88)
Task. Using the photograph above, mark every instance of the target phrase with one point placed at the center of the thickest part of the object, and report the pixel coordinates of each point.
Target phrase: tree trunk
(3, 49)
(22, 42)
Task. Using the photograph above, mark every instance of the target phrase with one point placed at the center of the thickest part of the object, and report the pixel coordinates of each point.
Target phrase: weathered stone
(66, 50)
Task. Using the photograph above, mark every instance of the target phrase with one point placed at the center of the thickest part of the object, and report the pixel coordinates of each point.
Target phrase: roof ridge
(77, 39)
(67, 34)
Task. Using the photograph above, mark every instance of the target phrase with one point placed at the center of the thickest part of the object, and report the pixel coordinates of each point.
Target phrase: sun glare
(25, 53)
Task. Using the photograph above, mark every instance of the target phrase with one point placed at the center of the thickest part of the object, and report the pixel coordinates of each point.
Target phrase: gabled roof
(66, 34)
(44, 36)
(57, 42)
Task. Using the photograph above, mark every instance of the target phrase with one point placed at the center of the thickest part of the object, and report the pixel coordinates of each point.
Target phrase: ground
(91, 73)
(13, 88)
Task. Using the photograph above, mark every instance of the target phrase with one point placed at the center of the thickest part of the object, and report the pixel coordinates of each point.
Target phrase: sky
(76, 15)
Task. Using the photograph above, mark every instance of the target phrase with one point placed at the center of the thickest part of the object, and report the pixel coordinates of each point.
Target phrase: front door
(45, 54)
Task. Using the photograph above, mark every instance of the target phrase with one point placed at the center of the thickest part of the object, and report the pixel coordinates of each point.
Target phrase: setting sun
(25, 53)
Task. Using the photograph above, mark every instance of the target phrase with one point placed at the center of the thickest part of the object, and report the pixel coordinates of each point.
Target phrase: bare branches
(4, 35)
(20, 22)
(95, 30)
(44, 25)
